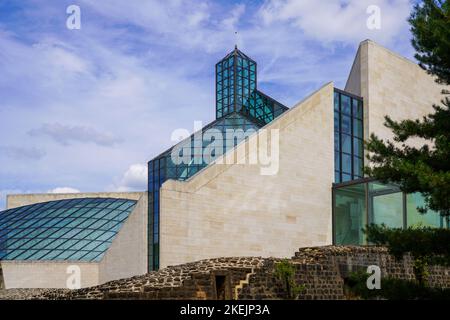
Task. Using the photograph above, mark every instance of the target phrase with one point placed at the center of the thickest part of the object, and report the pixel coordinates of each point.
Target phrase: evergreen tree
(430, 26)
(424, 169)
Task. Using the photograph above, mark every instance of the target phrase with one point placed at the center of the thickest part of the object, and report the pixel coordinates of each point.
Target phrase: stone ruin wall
(321, 270)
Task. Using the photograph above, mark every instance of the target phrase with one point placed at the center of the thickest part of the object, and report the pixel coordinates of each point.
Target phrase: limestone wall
(233, 210)
(127, 255)
(390, 85)
(45, 274)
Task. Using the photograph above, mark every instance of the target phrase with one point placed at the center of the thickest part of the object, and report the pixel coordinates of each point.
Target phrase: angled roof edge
(67, 199)
(206, 127)
(236, 52)
(270, 98)
(226, 167)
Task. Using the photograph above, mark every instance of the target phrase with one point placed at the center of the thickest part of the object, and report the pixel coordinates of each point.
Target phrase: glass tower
(239, 106)
(235, 82)
(236, 90)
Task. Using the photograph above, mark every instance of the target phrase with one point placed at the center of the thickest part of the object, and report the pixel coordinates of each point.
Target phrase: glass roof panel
(75, 229)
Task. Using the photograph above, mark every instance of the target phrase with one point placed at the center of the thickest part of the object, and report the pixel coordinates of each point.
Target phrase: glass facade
(240, 107)
(386, 205)
(350, 214)
(262, 107)
(73, 229)
(163, 167)
(348, 137)
(236, 90)
(414, 217)
(360, 203)
(235, 82)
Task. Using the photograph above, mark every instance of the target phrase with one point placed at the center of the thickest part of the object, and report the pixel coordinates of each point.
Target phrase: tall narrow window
(348, 137)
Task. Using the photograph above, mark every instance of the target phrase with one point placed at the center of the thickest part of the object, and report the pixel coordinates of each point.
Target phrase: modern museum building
(262, 179)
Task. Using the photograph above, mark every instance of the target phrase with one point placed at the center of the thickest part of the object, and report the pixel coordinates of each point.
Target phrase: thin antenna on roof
(235, 40)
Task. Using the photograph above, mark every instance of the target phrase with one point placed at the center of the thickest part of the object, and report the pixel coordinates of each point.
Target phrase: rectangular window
(357, 167)
(388, 209)
(345, 104)
(336, 122)
(357, 127)
(346, 143)
(414, 201)
(346, 163)
(358, 148)
(359, 204)
(348, 136)
(346, 125)
(349, 215)
(336, 102)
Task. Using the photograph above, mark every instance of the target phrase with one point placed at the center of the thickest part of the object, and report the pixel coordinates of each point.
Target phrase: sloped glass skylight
(72, 229)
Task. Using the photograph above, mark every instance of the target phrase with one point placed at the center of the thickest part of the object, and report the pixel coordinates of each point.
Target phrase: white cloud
(130, 97)
(63, 57)
(21, 153)
(139, 69)
(162, 17)
(134, 179)
(64, 190)
(230, 23)
(338, 20)
(65, 134)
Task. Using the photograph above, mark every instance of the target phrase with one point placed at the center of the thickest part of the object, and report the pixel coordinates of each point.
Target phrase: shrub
(394, 289)
(285, 271)
(427, 246)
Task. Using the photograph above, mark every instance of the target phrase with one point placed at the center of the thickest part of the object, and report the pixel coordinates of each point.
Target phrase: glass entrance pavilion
(362, 202)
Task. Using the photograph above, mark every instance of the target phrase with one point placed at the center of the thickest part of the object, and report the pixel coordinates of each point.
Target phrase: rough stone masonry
(321, 270)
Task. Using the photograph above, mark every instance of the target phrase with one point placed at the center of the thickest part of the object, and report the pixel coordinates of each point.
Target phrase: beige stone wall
(127, 255)
(41, 274)
(390, 85)
(354, 84)
(233, 210)
(17, 200)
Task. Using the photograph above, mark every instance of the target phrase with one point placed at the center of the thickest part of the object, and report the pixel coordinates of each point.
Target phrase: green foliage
(424, 169)
(430, 26)
(419, 241)
(285, 271)
(394, 289)
(427, 246)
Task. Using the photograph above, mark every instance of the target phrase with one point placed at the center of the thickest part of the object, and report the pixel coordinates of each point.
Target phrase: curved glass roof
(72, 229)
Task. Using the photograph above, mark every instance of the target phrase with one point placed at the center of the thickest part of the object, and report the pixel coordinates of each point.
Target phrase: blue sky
(86, 109)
